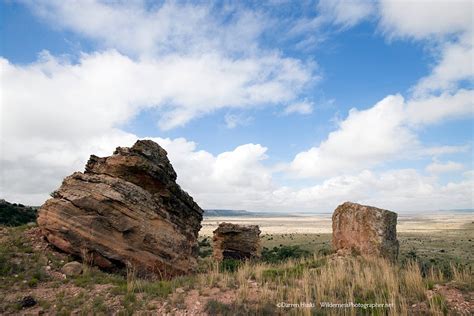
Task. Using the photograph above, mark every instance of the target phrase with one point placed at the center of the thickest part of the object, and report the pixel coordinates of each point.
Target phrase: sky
(276, 106)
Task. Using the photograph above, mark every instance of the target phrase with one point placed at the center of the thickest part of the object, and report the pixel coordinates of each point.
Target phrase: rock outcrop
(126, 209)
(232, 241)
(365, 230)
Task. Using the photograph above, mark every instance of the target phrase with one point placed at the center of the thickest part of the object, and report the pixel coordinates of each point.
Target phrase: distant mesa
(233, 241)
(216, 212)
(126, 209)
(366, 230)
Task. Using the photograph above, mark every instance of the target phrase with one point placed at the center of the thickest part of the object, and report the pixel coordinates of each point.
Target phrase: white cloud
(108, 88)
(443, 150)
(433, 109)
(72, 110)
(345, 13)
(158, 29)
(362, 140)
(150, 58)
(454, 65)
(446, 25)
(329, 13)
(237, 179)
(32, 167)
(55, 112)
(385, 132)
(240, 179)
(303, 107)
(439, 167)
(420, 19)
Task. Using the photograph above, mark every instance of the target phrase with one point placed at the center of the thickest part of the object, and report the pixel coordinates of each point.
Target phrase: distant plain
(321, 224)
(441, 236)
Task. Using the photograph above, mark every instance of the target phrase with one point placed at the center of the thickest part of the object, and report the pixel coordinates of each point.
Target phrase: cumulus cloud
(108, 88)
(143, 29)
(73, 109)
(434, 109)
(241, 179)
(454, 65)
(385, 132)
(446, 25)
(440, 167)
(362, 140)
(420, 19)
(148, 58)
(388, 130)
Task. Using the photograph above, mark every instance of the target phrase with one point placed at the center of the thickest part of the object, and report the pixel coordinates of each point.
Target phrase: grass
(19, 264)
(293, 268)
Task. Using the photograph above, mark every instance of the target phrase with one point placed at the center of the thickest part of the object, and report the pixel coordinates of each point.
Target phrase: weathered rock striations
(365, 230)
(126, 209)
(232, 241)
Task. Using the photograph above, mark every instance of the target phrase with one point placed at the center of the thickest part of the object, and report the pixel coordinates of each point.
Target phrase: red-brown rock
(365, 230)
(232, 241)
(126, 209)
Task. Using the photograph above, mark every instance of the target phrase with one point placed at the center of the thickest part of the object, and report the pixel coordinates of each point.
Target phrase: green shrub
(282, 253)
(230, 265)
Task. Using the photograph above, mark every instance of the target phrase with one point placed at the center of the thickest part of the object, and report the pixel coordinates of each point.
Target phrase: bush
(282, 253)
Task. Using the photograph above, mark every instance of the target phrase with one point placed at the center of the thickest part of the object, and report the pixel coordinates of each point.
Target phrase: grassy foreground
(297, 275)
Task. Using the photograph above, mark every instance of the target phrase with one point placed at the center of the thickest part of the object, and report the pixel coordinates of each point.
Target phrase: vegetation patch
(282, 253)
(13, 214)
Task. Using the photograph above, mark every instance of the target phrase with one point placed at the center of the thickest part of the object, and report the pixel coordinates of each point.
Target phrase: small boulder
(72, 268)
(232, 241)
(365, 230)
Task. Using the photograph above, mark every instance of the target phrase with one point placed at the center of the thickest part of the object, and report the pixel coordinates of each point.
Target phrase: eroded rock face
(126, 209)
(232, 241)
(365, 230)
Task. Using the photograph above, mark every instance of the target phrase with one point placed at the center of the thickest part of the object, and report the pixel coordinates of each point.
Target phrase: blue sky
(276, 106)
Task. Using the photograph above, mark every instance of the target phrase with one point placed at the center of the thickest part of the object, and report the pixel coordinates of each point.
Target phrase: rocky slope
(126, 209)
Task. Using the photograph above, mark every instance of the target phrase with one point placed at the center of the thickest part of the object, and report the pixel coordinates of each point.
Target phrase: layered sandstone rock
(126, 209)
(232, 241)
(365, 230)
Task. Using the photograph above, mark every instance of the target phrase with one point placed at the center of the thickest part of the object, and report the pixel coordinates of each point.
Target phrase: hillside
(13, 214)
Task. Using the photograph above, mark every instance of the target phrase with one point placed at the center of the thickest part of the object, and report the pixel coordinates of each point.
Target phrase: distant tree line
(13, 214)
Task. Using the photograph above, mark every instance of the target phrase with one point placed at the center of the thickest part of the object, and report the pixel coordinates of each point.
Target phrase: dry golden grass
(332, 279)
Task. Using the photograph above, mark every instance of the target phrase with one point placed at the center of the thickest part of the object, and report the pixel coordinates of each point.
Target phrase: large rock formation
(365, 230)
(232, 241)
(126, 209)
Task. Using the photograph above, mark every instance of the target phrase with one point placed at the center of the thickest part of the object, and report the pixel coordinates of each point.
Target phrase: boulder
(72, 268)
(365, 230)
(232, 241)
(126, 210)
